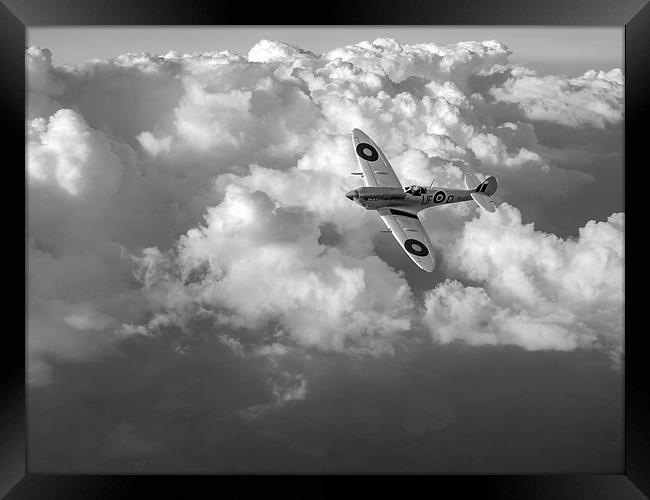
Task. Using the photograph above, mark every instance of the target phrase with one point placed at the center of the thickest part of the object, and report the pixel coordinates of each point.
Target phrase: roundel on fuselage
(367, 152)
(439, 197)
(416, 247)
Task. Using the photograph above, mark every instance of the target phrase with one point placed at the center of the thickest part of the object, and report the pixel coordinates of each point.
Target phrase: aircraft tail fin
(482, 191)
(471, 181)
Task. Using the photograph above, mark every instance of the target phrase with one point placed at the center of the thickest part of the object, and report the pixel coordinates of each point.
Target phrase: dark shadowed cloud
(442, 409)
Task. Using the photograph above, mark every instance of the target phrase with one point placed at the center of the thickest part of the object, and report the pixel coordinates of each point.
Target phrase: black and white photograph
(325, 249)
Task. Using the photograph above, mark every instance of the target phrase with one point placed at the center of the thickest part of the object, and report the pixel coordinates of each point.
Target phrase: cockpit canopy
(415, 190)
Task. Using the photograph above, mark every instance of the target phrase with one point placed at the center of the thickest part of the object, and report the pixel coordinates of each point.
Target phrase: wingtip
(428, 265)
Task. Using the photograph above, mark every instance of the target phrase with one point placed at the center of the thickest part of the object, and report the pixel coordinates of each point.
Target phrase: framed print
(389, 242)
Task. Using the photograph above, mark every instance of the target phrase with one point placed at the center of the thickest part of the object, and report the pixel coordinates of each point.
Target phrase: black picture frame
(16, 15)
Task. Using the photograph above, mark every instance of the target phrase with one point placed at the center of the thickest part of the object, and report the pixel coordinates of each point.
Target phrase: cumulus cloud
(593, 99)
(533, 289)
(454, 62)
(254, 263)
(172, 194)
(65, 152)
(43, 85)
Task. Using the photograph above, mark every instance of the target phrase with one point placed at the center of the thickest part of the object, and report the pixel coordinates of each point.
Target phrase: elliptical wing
(411, 235)
(377, 171)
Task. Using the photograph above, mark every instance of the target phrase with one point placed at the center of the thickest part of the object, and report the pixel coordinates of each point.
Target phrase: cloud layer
(535, 290)
(185, 195)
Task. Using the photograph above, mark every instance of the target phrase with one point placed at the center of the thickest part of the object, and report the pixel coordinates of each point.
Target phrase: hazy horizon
(582, 48)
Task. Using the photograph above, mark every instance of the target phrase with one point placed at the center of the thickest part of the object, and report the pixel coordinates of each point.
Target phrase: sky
(203, 297)
(570, 50)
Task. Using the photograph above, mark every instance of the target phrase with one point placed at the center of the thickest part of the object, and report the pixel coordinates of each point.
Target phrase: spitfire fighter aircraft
(398, 206)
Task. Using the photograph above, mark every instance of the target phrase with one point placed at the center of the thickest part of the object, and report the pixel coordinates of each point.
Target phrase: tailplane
(482, 191)
(484, 202)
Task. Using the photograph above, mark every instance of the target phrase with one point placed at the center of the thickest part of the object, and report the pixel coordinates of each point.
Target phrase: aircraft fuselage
(372, 198)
